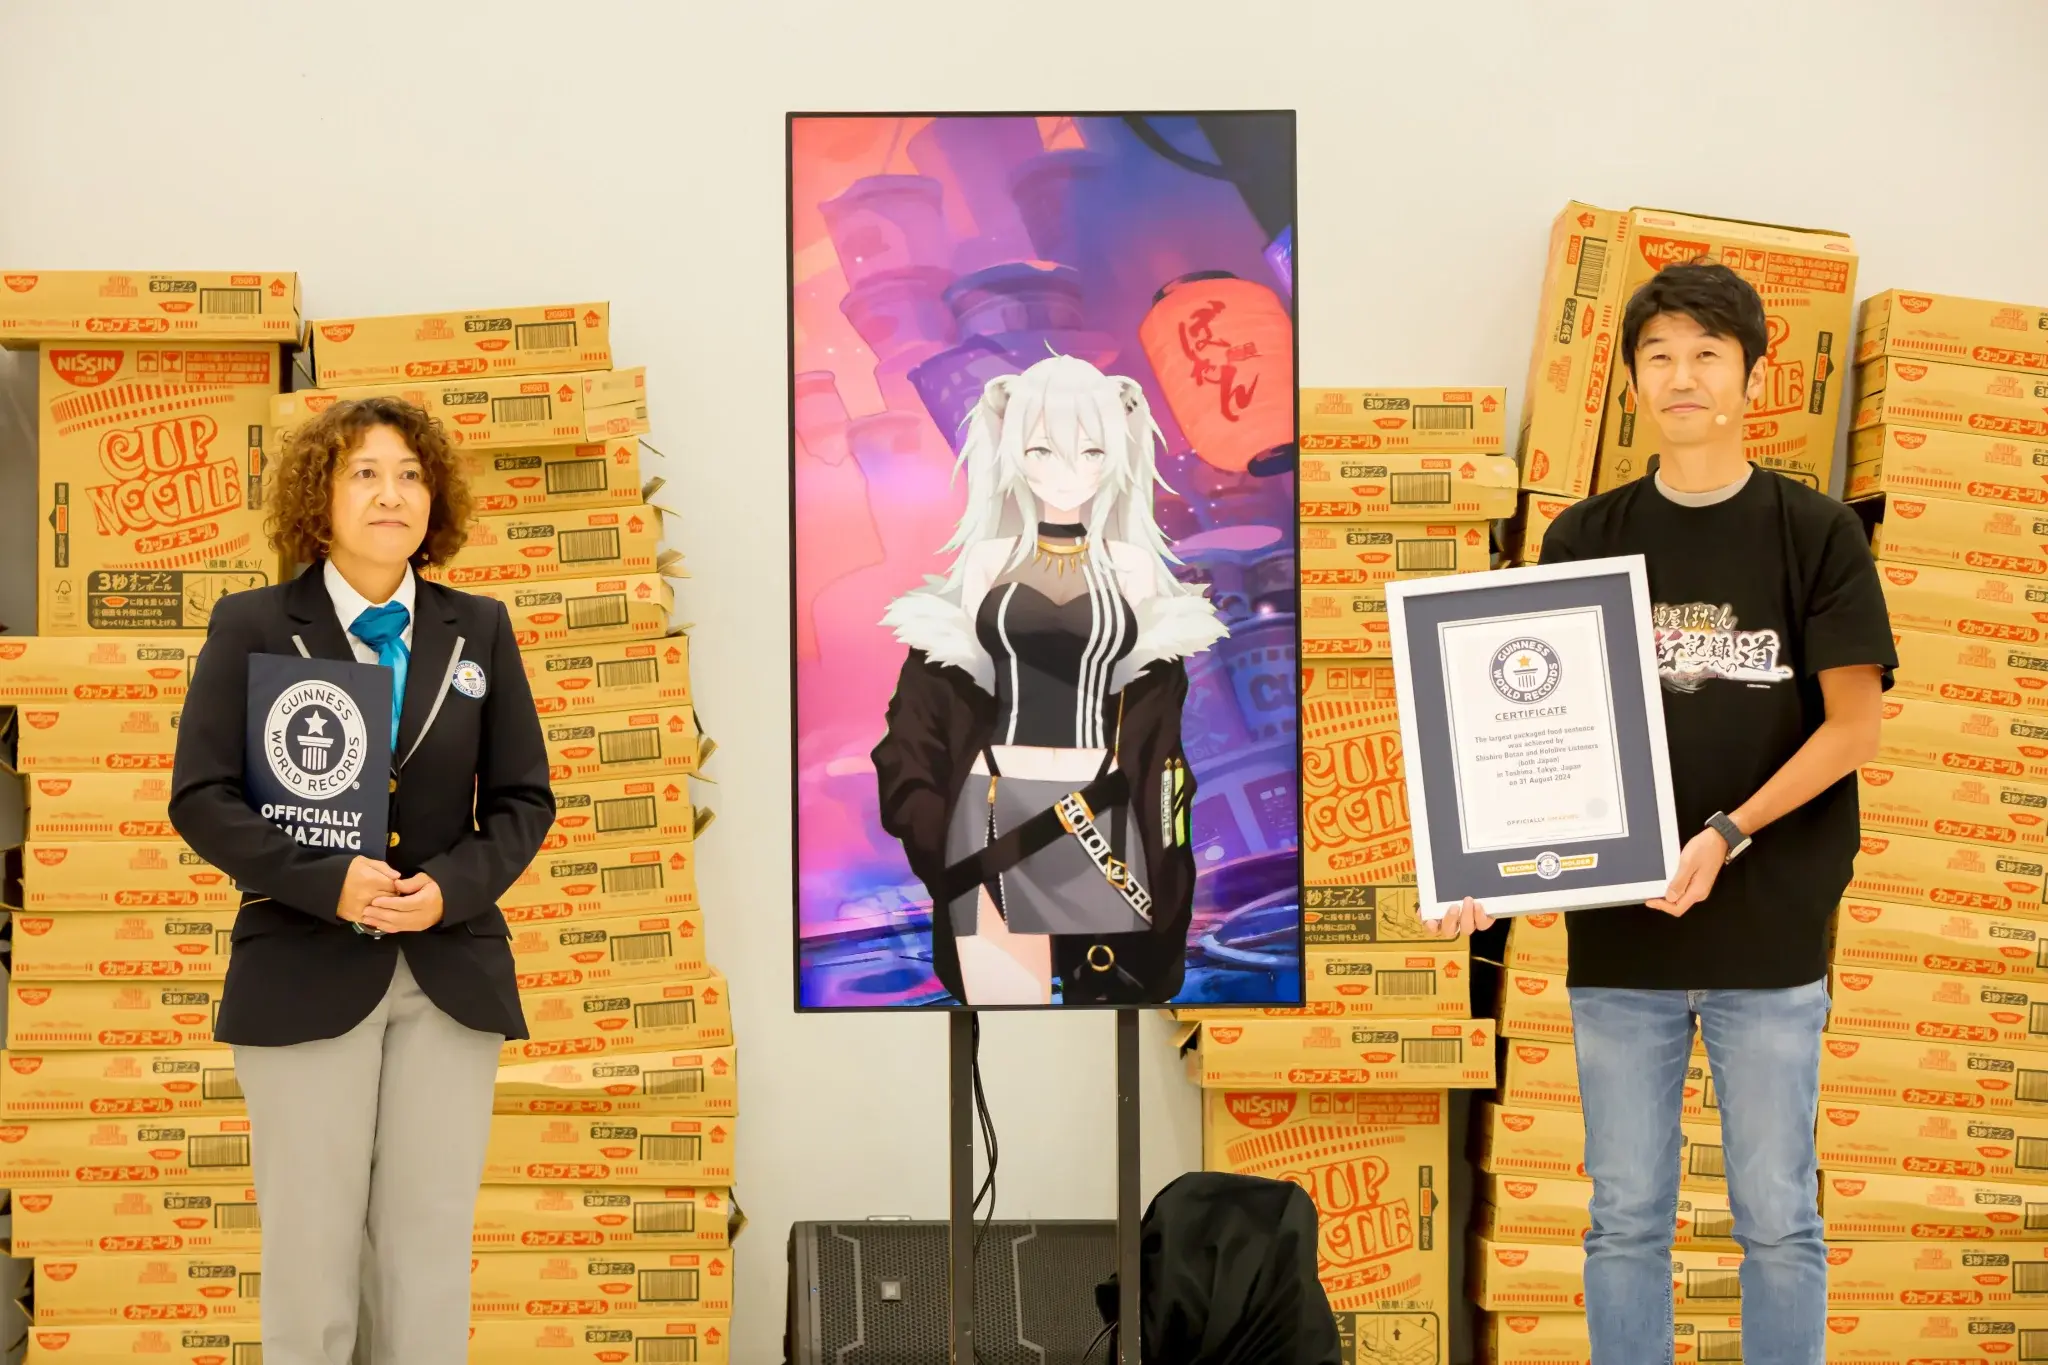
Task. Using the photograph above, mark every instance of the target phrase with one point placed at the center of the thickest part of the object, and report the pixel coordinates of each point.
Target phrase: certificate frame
(1622, 853)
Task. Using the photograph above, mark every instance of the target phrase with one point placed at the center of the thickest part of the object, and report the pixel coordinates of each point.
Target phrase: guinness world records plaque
(1532, 726)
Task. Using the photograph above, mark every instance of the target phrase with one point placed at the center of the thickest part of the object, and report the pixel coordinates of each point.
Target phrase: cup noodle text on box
(197, 1149)
(1309, 1054)
(149, 945)
(1951, 534)
(1968, 602)
(1886, 1140)
(1984, 673)
(99, 668)
(1535, 1005)
(113, 1015)
(575, 612)
(97, 737)
(1542, 1278)
(1355, 820)
(149, 483)
(1920, 938)
(1416, 981)
(1347, 554)
(1931, 803)
(99, 805)
(489, 411)
(547, 544)
(1365, 916)
(1889, 1275)
(1945, 397)
(620, 811)
(1912, 1208)
(91, 875)
(600, 1283)
(1377, 1167)
(90, 305)
(1350, 421)
(551, 1149)
(1925, 326)
(600, 883)
(1932, 1073)
(649, 740)
(68, 1085)
(85, 1220)
(556, 478)
(1557, 1210)
(632, 1016)
(544, 339)
(1807, 281)
(1912, 871)
(559, 955)
(1381, 487)
(1882, 1003)
(1924, 463)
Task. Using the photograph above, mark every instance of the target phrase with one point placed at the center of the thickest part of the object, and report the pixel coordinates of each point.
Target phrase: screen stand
(960, 1233)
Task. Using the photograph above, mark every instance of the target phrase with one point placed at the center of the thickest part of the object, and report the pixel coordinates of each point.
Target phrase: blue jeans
(1764, 1050)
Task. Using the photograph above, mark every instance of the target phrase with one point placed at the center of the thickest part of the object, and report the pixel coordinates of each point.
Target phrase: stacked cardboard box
(153, 399)
(1578, 330)
(1807, 279)
(605, 1221)
(1347, 1095)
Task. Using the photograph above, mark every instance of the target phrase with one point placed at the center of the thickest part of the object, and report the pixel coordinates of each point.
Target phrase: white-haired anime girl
(1032, 767)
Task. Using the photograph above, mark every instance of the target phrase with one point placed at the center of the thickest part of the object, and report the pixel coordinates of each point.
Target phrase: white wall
(425, 155)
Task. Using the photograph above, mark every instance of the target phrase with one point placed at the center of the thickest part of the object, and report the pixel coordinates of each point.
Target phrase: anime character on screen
(1033, 767)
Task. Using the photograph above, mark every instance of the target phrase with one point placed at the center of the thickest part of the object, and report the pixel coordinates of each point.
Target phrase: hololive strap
(1079, 821)
(1039, 832)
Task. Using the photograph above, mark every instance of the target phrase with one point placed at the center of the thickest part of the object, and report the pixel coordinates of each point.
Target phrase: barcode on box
(1718, 1346)
(668, 1286)
(598, 613)
(1714, 1225)
(619, 881)
(1592, 268)
(668, 1215)
(2037, 1019)
(219, 1083)
(235, 1218)
(645, 673)
(1701, 1159)
(2030, 1277)
(625, 813)
(642, 745)
(1713, 1284)
(2031, 1087)
(240, 303)
(682, 1080)
(671, 1147)
(650, 947)
(247, 1353)
(2031, 1154)
(544, 336)
(665, 1014)
(250, 1285)
(666, 1351)
(1419, 490)
(2034, 1344)
(2037, 1218)
(1708, 1099)
(575, 476)
(1425, 556)
(1432, 1051)
(598, 545)
(533, 407)
(223, 942)
(1405, 983)
(1443, 416)
(217, 1149)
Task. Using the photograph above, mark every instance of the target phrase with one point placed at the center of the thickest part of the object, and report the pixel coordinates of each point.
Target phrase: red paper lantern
(1223, 349)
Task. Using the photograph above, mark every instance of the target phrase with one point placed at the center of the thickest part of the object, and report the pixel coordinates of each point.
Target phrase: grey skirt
(1057, 890)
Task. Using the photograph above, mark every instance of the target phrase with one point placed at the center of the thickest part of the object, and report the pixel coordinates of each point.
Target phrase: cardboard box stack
(605, 1222)
(1348, 1095)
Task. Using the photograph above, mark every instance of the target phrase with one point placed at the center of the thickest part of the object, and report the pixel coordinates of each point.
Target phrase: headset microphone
(1720, 419)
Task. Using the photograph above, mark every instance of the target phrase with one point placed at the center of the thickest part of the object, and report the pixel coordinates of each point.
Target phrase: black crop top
(1053, 662)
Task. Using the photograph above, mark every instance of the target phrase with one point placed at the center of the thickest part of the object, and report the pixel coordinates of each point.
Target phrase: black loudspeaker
(875, 1293)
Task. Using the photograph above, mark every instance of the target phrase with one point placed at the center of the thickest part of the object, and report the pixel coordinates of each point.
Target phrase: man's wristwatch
(1730, 831)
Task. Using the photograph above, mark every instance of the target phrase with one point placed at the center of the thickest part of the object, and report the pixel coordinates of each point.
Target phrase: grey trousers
(368, 1150)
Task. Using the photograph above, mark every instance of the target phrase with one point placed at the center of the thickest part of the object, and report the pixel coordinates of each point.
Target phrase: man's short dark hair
(1719, 300)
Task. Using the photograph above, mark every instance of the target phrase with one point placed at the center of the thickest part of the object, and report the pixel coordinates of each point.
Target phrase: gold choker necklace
(1057, 555)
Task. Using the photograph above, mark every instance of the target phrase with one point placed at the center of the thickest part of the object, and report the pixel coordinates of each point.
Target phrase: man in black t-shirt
(1774, 650)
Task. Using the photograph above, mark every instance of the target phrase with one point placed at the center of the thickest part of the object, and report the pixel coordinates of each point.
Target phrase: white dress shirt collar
(349, 604)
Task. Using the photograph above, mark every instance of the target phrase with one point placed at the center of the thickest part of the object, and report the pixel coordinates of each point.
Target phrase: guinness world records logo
(1526, 670)
(309, 759)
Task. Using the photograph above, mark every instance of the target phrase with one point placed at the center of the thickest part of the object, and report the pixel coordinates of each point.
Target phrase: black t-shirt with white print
(1752, 597)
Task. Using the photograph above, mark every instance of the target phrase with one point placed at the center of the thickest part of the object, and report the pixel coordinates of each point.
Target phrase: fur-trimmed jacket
(942, 715)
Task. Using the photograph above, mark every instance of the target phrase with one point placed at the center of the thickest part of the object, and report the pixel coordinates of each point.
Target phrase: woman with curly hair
(367, 996)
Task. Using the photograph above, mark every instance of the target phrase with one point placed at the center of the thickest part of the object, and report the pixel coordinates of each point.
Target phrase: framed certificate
(1533, 734)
